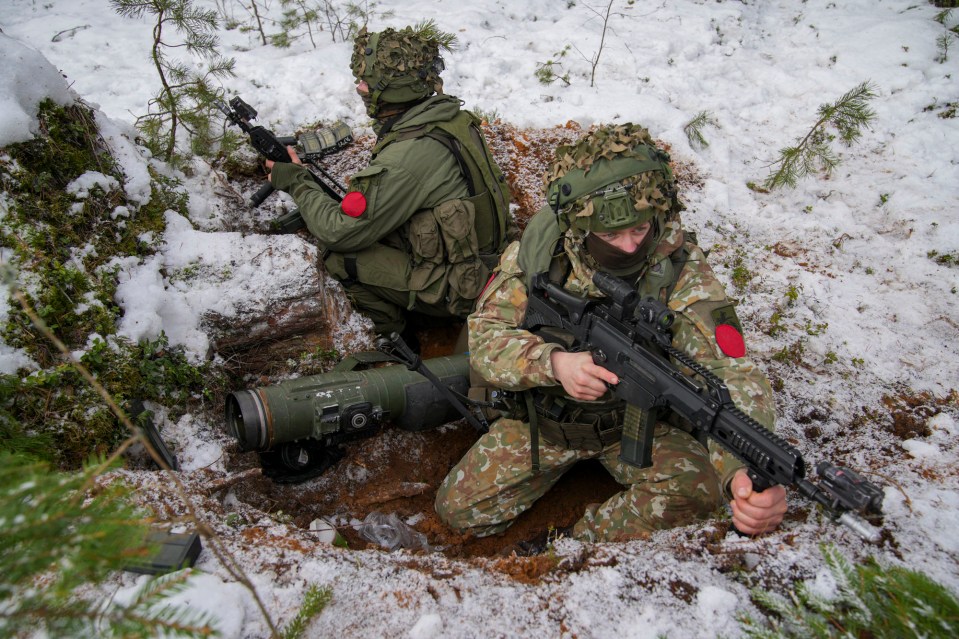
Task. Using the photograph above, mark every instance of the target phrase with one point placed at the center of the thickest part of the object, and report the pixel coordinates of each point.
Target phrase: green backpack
(487, 185)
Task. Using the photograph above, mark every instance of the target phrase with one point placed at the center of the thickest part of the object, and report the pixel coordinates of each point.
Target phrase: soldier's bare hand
(755, 513)
(580, 377)
(294, 158)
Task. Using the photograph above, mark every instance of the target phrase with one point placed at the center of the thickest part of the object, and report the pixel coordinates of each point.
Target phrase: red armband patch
(354, 204)
(730, 341)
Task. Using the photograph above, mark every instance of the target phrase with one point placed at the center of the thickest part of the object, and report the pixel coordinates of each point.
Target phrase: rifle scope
(341, 405)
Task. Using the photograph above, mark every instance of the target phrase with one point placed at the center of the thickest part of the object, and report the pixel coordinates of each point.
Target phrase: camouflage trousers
(494, 483)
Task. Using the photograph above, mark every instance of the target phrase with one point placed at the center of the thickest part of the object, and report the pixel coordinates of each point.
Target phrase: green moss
(63, 243)
(59, 406)
(64, 248)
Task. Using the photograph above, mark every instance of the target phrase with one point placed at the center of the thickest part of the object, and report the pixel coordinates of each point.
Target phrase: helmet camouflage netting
(400, 66)
(613, 178)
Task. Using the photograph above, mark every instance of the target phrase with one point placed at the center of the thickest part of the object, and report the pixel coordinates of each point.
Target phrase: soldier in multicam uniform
(612, 206)
(426, 221)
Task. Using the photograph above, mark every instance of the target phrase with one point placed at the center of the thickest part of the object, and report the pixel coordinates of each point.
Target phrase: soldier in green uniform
(613, 207)
(423, 225)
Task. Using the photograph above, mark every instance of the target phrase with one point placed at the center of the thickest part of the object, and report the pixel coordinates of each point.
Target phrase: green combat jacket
(406, 177)
(409, 235)
(515, 359)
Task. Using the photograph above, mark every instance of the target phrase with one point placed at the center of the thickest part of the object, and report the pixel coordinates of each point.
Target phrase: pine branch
(60, 537)
(694, 129)
(813, 153)
(315, 600)
(871, 601)
(428, 30)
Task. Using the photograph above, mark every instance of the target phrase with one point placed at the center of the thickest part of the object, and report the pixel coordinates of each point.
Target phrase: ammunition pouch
(443, 267)
(571, 424)
(447, 266)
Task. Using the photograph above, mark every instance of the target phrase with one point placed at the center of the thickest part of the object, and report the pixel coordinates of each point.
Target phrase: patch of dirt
(910, 414)
(399, 472)
(907, 413)
(527, 570)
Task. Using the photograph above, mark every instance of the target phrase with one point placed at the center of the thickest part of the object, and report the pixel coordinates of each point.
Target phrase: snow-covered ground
(876, 313)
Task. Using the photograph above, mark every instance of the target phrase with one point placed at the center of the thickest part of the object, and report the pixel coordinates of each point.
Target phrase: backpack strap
(541, 249)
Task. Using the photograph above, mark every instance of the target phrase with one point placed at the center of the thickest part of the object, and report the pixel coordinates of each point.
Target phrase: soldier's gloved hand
(580, 377)
(755, 513)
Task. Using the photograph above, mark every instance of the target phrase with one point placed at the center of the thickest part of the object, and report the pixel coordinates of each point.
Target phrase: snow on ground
(874, 311)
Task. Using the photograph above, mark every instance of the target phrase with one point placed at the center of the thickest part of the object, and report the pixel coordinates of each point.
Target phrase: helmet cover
(614, 178)
(400, 66)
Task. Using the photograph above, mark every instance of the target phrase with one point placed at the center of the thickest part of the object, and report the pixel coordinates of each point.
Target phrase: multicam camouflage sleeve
(701, 305)
(505, 355)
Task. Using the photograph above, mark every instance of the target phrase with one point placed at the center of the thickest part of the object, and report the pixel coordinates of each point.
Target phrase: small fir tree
(187, 99)
(254, 10)
(296, 14)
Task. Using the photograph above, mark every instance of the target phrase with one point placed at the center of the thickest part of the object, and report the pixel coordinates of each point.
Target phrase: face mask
(615, 260)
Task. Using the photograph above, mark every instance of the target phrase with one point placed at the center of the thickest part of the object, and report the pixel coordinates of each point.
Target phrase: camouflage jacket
(405, 177)
(515, 359)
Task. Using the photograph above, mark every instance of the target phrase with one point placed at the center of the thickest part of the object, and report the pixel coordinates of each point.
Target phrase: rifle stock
(631, 338)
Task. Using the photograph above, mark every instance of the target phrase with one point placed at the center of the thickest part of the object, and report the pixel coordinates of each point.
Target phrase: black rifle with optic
(630, 337)
(310, 147)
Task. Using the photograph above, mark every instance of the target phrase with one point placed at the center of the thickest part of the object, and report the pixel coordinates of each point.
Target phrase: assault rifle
(630, 337)
(310, 146)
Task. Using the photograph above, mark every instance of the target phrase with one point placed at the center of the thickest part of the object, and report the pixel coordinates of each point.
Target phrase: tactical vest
(561, 420)
(488, 190)
(454, 245)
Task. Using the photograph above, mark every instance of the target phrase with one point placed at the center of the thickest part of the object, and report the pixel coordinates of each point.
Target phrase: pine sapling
(254, 11)
(943, 42)
(296, 14)
(813, 153)
(361, 13)
(594, 61)
(186, 99)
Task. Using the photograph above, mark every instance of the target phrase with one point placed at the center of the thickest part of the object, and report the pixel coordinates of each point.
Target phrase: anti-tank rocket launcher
(298, 426)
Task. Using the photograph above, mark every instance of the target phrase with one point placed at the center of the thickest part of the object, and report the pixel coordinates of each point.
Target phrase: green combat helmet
(612, 179)
(400, 66)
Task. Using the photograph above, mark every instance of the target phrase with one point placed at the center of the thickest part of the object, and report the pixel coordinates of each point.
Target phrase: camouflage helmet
(400, 66)
(613, 178)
